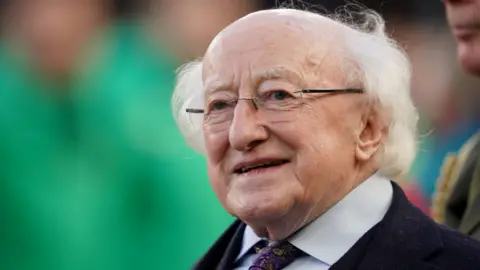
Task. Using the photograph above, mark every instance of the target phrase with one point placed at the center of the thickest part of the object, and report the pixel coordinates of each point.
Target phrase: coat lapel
(221, 255)
(404, 239)
(233, 248)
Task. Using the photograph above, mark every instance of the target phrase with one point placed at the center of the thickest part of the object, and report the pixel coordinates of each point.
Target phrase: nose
(247, 130)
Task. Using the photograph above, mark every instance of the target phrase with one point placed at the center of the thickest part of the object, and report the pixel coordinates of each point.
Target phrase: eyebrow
(278, 73)
(216, 86)
(259, 77)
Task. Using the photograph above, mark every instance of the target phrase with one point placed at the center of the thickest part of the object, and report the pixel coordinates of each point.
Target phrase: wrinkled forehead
(278, 47)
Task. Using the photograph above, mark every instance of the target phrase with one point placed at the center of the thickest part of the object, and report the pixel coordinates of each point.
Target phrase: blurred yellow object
(449, 177)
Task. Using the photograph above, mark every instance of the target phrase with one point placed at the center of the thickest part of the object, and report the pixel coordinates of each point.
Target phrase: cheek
(323, 145)
(217, 181)
(216, 145)
(323, 161)
(314, 133)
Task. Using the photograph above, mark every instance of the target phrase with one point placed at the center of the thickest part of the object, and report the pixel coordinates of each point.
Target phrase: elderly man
(303, 120)
(457, 202)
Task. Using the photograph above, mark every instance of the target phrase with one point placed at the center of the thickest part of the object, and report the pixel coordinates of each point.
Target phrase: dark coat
(405, 239)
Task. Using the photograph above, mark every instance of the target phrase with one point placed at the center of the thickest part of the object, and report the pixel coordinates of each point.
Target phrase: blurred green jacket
(94, 173)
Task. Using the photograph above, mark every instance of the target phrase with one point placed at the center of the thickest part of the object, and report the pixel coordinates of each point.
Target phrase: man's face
(55, 31)
(306, 155)
(464, 20)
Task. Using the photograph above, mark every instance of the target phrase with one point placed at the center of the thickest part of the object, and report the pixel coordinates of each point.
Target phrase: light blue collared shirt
(331, 235)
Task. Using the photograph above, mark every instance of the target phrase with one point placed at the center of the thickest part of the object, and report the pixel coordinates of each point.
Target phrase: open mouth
(261, 166)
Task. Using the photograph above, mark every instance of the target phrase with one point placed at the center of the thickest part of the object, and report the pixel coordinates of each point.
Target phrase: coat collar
(406, 237)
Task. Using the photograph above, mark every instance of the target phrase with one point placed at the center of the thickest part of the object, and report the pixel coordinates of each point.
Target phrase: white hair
(379, 64)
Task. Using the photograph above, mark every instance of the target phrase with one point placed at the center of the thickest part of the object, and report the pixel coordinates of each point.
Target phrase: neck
(284, 227)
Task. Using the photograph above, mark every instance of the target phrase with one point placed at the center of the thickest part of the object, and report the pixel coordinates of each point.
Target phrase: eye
(219, 105)
(279, 95)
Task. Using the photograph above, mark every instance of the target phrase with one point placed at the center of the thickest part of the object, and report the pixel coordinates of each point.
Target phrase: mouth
(465, 32)
(256, 167)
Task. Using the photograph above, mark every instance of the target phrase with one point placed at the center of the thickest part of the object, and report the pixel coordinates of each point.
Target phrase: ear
(373, 132)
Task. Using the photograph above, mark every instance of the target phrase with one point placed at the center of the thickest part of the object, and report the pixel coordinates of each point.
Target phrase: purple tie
(276, 256)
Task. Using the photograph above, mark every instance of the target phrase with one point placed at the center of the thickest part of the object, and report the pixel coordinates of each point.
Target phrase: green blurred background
(94, 173)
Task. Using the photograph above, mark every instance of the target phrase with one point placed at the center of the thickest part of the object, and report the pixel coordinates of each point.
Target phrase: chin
(260, 208)
(471, 66)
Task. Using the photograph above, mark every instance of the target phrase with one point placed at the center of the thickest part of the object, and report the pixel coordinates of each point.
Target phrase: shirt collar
(332, 234)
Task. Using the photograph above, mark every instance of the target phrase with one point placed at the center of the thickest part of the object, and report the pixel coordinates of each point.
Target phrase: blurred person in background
(457, 202)
(93, 170)
(447, 118)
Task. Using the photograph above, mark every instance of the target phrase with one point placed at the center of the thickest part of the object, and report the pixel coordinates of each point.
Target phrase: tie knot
(275, 255)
